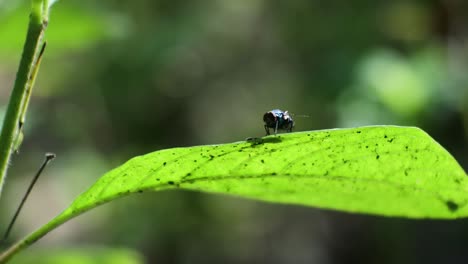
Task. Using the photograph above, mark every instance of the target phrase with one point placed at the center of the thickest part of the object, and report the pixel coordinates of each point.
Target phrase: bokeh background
(124, 78)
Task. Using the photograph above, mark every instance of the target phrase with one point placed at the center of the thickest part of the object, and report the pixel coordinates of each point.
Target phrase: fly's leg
(276, 127)
(267, 130)
(290, 127)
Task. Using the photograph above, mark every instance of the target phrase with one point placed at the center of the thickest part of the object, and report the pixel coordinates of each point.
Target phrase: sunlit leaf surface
(383, 170)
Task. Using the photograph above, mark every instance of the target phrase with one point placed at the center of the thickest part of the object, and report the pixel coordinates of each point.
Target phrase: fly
(277, 119)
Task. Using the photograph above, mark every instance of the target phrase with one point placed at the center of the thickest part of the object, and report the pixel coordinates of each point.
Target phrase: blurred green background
(124, 78)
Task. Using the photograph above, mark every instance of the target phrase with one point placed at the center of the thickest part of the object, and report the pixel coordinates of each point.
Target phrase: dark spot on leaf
(385, 136)
(262, 161)
(274, 173)
(390, 140)
(303, 164)
(164, 163)
(452, 206)
(359, 131)
(272, 140)
(158, 179)
(308, 135)
(240, 150)
(188, 174)
(406, 147)
(377, 157)
(326, 173)
(140, 191)
(211, 156)
(367, 146)
(170, 182)
(457, 181)
(194, 160)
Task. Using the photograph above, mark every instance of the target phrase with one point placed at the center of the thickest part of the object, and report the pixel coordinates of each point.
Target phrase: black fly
(277, 119)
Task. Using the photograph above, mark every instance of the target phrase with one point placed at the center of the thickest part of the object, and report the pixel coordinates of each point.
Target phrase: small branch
(29, 86)
(48, 157)
(42, 231)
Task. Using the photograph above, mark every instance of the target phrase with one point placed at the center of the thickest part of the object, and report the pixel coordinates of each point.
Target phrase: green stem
(33, 237)
(32, 47)
(63, 217)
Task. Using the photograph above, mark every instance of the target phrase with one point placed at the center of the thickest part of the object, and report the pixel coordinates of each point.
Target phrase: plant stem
(63, 217)
(48, 158)
(11, 125)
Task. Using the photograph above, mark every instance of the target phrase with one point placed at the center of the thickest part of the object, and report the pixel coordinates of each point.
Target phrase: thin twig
(48, 157)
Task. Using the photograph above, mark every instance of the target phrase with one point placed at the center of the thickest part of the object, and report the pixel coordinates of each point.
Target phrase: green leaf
(391, 171)
(386, 170)
(381, 170)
